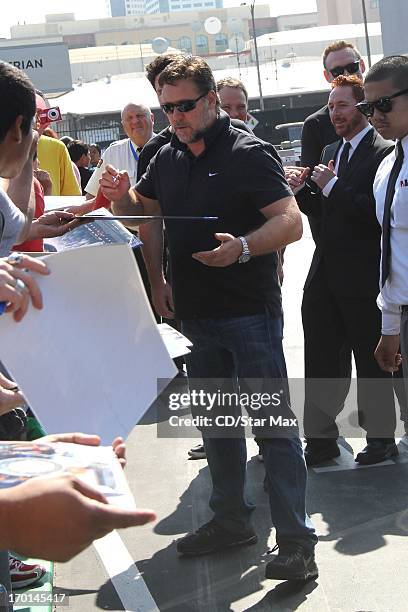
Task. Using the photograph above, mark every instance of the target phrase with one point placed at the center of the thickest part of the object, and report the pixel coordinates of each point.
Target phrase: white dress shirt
(354, 142)
(394, 294)
(119, 155)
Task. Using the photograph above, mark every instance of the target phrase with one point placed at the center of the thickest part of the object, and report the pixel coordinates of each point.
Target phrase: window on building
(202, 44)
(373, 4)
(184, 44)
(221, 42)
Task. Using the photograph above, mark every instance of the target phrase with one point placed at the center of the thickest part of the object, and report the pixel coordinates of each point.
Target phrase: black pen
(143, 218)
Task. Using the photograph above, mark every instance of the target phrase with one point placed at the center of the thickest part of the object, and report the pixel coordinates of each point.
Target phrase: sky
(33, 11)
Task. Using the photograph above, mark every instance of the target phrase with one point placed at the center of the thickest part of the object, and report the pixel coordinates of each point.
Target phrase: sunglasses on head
(349, 68)
(184, 106)
(384, 104)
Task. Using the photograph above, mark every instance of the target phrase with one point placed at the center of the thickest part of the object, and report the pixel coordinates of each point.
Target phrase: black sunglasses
(384, 104)
(350, 68)
(183, 107)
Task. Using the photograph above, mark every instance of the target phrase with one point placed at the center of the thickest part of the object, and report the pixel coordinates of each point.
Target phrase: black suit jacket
(348, 244)
(317, 132)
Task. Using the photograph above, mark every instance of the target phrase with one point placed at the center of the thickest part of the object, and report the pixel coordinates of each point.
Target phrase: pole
(366, 33)
(261, 100)
(273, 59)
(141, 56)
(237, 52)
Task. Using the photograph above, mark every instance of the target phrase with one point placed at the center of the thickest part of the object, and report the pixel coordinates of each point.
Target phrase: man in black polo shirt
(151, 234)
(154, 243)
(227, 295)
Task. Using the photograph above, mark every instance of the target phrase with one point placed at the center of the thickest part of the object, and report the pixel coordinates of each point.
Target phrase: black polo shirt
(236, 176)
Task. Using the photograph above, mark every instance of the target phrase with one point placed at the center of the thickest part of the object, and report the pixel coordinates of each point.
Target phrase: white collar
(355, 141)
(404, 142)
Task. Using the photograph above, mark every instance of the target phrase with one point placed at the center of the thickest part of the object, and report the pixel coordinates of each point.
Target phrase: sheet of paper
(58, 202)
(90, 360)
(176, 344)
(97, 233)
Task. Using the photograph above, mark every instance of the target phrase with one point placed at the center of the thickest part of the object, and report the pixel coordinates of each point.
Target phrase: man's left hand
(387, 353)
(118, 444)
(226, 254)
(52, 224)
(322, 174)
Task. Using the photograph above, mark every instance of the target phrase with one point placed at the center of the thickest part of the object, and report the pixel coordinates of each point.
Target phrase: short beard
(195, 137)
(199, 134)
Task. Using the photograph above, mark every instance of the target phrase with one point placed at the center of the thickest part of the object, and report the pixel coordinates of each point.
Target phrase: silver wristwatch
(246, 253)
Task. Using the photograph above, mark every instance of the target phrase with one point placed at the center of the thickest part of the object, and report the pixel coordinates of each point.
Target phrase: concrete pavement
(360, 514)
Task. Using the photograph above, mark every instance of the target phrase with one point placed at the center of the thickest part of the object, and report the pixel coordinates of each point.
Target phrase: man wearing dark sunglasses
(151, 233)
(386, 102)
(227, 296)
(340, 57)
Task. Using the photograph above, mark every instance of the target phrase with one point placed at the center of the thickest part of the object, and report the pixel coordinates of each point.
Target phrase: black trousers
(333, 326)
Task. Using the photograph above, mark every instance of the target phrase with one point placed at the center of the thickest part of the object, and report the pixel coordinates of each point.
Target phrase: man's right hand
(114, 184)
(64, 517)
(386, 353)
(16, 295)
(10, 399)
(162, 298)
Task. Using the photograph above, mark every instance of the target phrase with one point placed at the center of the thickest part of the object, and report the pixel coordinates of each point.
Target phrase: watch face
(244, 258)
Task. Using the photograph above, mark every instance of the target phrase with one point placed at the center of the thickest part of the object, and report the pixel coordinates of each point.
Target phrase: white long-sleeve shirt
(394, 294)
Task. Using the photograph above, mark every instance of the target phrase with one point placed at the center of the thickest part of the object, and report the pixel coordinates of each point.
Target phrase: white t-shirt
(14, 221)
(119, 155)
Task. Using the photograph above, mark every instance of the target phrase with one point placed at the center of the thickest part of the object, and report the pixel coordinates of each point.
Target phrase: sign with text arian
(47, 65)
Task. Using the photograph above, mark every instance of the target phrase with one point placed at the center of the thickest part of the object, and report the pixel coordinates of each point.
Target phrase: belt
(404, 309)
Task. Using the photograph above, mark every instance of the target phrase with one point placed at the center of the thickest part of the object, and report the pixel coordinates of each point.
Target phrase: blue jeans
(250, 347)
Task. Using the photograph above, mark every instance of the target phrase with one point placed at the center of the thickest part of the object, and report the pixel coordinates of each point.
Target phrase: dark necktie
(386, 224)
(344, 158)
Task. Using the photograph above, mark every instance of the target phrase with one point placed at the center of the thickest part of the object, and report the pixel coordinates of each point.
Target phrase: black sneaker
(212, 537)
(292, 563)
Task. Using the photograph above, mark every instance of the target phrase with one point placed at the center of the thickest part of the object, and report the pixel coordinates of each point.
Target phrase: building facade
(394, 27)
(122, 8)
(116, 8)
(184, 30)
(336, 12)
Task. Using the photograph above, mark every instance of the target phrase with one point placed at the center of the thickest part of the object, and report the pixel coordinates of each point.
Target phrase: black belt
(404, 309)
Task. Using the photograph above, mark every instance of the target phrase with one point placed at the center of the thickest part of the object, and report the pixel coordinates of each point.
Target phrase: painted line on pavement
(126, 578)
